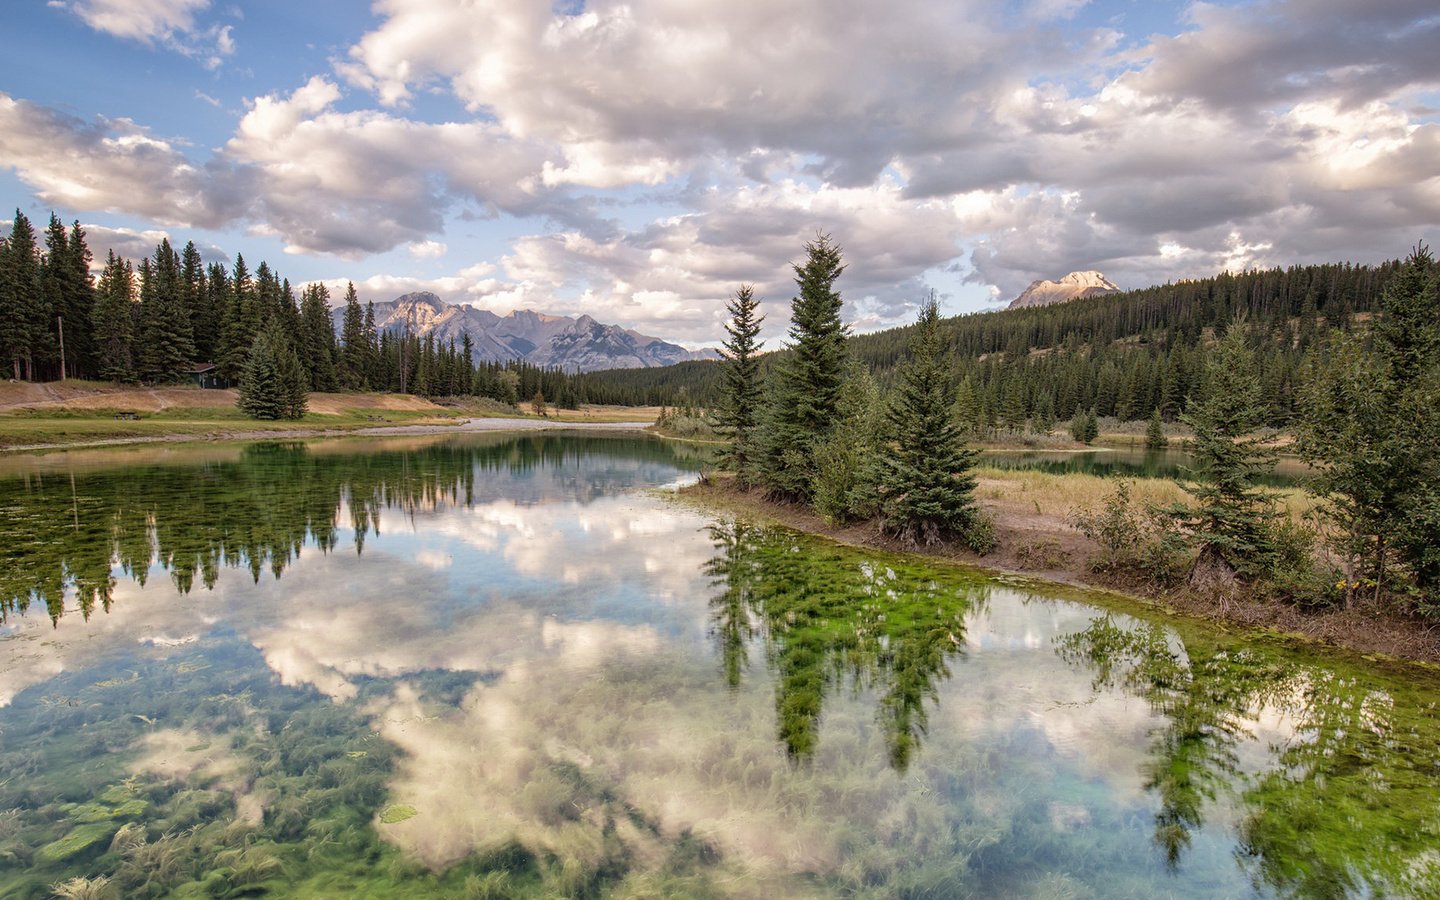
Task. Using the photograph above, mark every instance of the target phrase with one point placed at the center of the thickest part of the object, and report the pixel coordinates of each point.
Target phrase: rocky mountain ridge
(1071, 287)
(572, 344)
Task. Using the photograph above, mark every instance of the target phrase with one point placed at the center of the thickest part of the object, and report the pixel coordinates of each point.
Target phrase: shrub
(1131, 540)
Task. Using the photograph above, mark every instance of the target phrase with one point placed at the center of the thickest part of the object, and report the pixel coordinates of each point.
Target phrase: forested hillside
(1124, 355)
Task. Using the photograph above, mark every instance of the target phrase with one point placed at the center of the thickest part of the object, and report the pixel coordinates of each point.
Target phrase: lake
(1129, 462)
(495, 665)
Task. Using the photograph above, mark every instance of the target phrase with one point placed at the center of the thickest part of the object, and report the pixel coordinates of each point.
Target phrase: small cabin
(206, 375)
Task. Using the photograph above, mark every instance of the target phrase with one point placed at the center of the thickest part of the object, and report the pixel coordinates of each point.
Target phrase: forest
(1125, 356)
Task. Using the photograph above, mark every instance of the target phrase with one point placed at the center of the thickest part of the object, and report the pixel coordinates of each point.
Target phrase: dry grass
(1058, 496)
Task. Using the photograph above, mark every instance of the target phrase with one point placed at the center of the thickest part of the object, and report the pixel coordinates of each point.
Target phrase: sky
(638, 161)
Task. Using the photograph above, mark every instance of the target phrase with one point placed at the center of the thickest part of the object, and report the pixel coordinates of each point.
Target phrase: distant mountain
(571, 344)
(1076, 284)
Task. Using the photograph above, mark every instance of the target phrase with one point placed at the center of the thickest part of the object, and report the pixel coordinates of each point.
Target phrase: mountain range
(570, 344)
(1071, 287)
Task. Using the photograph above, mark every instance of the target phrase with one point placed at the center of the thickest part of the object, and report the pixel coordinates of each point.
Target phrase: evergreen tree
(79, 306)
(114, 318)
(843, 487)
(738, 413)
(1092, 427)
(805, 388)
(969, 411)
(928, 488)
(1155, 432)
(1368, 424)
(1232, 520)
(166, 348)
(240, 324)
(317, 338)
(377, 371)
(204, 323)
(219, 300)
(22, 302)
(353, 344)
(1044, 420)
(273, 383)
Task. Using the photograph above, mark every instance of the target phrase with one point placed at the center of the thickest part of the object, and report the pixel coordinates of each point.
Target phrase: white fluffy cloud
(1000, 147)
(168, 23)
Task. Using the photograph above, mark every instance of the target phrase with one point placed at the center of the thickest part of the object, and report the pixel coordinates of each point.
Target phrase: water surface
(493, 665)
(1129, 462)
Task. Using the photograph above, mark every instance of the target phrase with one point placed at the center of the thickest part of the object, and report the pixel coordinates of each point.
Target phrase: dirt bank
(1038, 542)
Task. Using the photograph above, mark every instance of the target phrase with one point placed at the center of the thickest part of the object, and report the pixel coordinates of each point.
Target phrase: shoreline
(459, 426)
(1045, 548)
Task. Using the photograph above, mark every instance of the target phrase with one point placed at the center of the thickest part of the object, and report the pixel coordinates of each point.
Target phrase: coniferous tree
(1232, 520)
(1044, 420)
(114, 318)
(1155, 432)
(240, 324)
(738, 413)
(317, 338)
(273, 384)
(1368, 424)
(928, 488)
(22, 300)
(165, 344)
(805, 389)
(354, 345)
(377, 372)
(54, 278)
(196, 299)
(80, 295)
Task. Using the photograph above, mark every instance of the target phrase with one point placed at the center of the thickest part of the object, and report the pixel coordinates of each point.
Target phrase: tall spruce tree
(805, 389)
(738, 413)
(239, 323)
(196, 299)
(928, 487)
(114, 318)
(354, 347)
(22, 298)
(1232, 520)
(317, 338)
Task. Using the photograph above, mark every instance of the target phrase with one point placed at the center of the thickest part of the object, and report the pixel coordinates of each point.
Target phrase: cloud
(167, 23)
(661, 154)
(116, 165)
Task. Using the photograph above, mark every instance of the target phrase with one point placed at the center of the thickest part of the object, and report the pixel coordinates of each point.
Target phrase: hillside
(1124, 354)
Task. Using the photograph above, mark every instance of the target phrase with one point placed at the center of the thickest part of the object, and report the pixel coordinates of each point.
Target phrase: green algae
(398, 812)
(77, 841)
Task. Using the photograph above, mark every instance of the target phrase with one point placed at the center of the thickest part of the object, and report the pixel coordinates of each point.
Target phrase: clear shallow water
(1127, 462)
(498, 666)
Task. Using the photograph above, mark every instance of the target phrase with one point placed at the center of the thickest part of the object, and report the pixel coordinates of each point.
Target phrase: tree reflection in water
(1341, 806)
(68, 531)
(827, 622)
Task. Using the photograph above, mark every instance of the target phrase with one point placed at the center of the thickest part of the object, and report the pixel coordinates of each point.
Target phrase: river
(514, 665)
